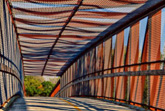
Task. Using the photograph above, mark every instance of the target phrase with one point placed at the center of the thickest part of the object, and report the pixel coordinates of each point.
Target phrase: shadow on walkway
(64, 104)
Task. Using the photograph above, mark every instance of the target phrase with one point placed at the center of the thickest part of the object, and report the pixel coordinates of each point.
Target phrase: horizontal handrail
(8, 70)
(9, 101)
(127, 73)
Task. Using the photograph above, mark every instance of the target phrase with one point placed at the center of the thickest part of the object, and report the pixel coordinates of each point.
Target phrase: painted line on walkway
(70, 104)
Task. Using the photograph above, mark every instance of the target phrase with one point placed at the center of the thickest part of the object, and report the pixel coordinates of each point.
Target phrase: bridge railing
(127, 66)
(11, 76)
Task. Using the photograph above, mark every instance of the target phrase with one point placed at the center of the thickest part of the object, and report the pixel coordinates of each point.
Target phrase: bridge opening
(39, 85)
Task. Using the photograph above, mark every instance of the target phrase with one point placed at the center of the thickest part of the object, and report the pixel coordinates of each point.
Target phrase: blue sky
(126, 36)
(142, 31)
(163, 30)
(113, 41)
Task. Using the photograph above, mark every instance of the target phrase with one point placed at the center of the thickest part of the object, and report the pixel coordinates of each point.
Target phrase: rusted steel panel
(55, 91)
(134, 59)
(119, 56)
(119, 60)
(107, 55)
(107, 64)
(155, 33)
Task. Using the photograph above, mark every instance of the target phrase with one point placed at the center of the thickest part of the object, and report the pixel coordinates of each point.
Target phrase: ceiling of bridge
(53, 32)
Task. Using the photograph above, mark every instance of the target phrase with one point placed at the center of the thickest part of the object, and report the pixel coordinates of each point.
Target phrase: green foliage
(48, 87)
(36, 86)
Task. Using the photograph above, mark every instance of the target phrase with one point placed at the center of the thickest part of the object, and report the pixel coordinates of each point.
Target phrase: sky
(163, 30)
(48, 77)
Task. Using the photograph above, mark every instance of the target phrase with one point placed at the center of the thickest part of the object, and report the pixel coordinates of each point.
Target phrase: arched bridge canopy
(52, 33)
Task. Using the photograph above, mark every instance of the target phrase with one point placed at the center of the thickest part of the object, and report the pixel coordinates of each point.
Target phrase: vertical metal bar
(149, 58)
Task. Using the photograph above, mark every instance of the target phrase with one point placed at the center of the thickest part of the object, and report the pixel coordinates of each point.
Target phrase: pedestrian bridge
(109, 54)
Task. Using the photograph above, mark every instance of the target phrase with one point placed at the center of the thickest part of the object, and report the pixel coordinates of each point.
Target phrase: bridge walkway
(64, 104)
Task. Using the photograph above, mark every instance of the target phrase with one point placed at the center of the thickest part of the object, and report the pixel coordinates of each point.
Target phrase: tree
(36, 86)
(48, 87)
(31, 86)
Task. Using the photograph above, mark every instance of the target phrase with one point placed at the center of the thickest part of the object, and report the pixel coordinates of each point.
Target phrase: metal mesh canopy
(52, 33)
